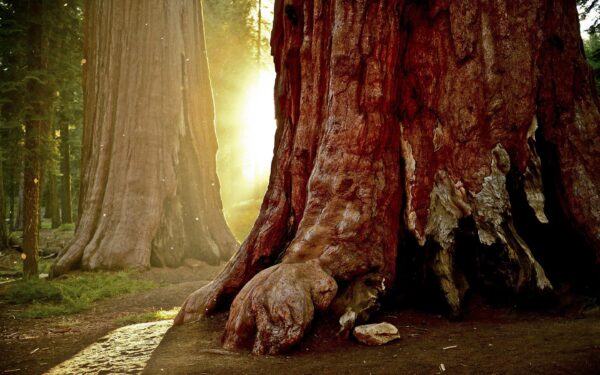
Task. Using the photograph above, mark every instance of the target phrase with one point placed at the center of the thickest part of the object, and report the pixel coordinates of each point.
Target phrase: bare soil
(488, 340)
(33, 346)
(500, 343)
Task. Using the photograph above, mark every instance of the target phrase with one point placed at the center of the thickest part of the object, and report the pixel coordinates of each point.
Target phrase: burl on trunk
(149, 189)
(408, 117)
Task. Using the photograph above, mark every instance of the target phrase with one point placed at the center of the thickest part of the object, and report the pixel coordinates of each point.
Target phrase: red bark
(441, 99)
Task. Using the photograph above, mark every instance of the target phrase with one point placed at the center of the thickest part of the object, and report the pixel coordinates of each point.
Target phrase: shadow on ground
(504, 344)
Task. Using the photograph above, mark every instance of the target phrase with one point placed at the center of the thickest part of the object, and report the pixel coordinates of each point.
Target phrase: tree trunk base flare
(273, 310)
(446, 125)
(150, 193)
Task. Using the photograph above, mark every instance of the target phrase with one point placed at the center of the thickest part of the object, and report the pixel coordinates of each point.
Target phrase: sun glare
(259, 128)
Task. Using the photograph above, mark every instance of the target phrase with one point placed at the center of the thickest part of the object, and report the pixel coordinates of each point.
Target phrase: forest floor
(487, 341)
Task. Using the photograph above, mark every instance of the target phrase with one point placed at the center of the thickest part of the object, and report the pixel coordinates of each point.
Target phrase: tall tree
(66, 68)
(66, 210)
(410, 121)
(36, 66)
(14, 100)
(232, 41)
(149, 189)
(4, 238)
(36, 133)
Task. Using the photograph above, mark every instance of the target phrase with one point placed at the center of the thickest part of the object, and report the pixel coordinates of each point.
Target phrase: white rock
(376, 334)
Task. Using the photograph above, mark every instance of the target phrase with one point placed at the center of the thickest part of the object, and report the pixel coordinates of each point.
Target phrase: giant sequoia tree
(149, 188)
(408, 119)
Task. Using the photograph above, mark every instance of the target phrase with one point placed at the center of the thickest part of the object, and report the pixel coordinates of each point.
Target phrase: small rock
(376, 334)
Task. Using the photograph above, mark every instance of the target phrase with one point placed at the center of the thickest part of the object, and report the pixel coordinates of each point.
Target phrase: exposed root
(274, 309)
(199, 303)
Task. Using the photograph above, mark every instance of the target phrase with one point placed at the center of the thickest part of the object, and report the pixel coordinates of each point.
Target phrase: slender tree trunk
(35, 129)
(409, 117)
(53, 202)
(31, 196)
(20, 207)
(65, 170)
(149, 188)
(4, 234)
(12, 204)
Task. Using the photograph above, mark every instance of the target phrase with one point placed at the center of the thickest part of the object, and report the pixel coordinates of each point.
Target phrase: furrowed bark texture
(333, 202)
(149, 192)
(409, 116)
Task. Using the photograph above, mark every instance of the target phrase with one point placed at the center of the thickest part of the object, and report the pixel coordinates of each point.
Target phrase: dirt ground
(33, 346)
(487, 341)
(506, 344)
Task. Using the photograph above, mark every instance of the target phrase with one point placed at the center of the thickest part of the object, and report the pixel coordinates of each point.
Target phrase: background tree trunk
(422, 118)
(36, 125)
(65, 170)
(149, 188)
(53, 202)
(19, 209)
(4, 233)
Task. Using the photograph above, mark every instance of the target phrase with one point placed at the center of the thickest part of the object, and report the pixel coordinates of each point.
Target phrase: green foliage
(59, 79)
(592, 53)
(9, 269)
(590, 8)
(72, 294)
(33, 290)
(67, 227)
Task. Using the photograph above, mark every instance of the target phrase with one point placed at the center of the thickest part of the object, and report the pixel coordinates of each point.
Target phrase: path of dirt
(33, 346)
(504, 345)
(488, 341)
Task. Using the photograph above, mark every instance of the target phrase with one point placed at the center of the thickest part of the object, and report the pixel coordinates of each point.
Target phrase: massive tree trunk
(409, 117)
(149, 188)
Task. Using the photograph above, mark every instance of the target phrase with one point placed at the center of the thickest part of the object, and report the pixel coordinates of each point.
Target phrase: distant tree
(37, 126)
(149, 188)
(13, 69)
(63, 25)
(4, 234)
(39, 40)
(592, 53)
(236, 54)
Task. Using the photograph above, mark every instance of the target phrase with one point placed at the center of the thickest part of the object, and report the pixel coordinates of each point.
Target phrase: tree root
(274, 309)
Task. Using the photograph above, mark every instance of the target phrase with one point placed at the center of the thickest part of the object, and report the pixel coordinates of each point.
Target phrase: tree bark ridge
(150, 192)
(411, 115)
